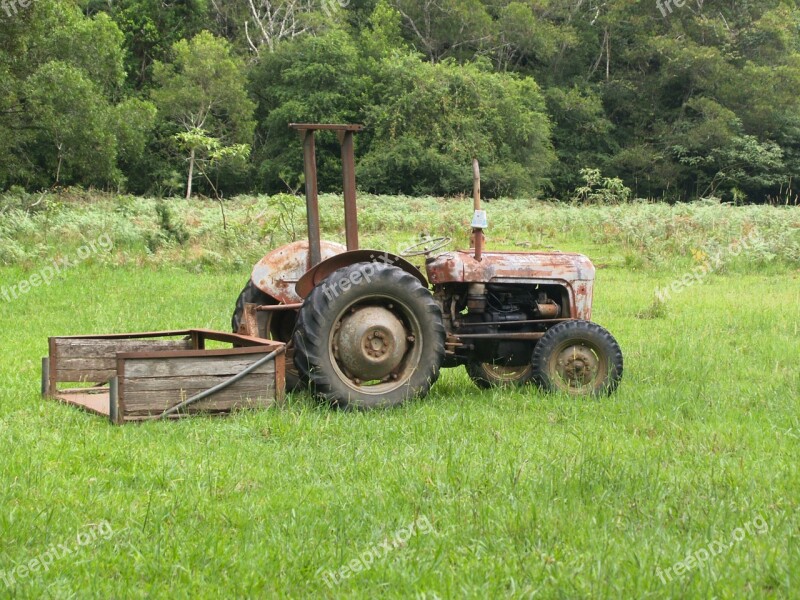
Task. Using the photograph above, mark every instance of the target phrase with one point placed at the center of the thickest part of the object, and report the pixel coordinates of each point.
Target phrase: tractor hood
(462, 267)
(574, 272)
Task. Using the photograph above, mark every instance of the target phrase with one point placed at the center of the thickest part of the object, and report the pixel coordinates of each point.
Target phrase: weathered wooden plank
(157, 384)
(90, 375)
(130, 336)
(157, 402)
(203, 409)
(251, 387)
(194, 367)
(88, 348)
(86, 390)
(86, 364)
(206, 353)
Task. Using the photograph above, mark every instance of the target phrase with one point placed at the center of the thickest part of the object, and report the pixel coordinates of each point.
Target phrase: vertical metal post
(477, 232)
(45, 376)
(312, 198)
(349, 185)
(52, 369)
(113, 400)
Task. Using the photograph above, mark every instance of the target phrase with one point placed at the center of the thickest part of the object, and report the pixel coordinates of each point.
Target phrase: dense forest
(667, 99)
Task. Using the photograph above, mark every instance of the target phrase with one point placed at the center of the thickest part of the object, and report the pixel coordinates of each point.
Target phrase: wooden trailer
(164, 374)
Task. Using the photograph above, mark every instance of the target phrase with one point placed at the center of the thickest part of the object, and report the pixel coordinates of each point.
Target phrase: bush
(601, 190)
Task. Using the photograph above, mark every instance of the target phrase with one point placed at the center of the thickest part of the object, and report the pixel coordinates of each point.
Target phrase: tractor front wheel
(579, 358)
(370, 336)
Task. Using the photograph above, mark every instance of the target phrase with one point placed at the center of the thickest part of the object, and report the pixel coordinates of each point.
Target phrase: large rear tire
(370, 336)
(579, 358)
(280, 329)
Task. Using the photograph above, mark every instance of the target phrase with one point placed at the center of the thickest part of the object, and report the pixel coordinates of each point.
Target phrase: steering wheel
(436, 243)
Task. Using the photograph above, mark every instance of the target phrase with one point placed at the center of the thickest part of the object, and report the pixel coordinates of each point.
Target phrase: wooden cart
(144, 376)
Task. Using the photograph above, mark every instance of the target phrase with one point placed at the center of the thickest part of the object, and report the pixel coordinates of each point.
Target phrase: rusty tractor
(367, 329)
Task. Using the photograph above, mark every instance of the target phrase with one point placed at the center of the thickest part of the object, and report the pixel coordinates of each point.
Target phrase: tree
(313, 79)
(446, 28)
(202, 95)
(73, 121)
(272, 22)
(60, 80)
(428, 122)
(150, 28)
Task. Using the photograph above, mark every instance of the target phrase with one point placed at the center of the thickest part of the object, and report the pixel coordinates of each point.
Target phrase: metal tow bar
(218, 388)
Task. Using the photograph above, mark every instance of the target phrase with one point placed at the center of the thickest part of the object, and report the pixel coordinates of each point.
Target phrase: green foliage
(204, 87)
(61, 119)
(430, 121)
(448, 28)
(637, 235)
(151, 27)
(169, 231)
(601, 190)
(582, 134)
(384, 35)
(202, 97)
(698, 100)
(286, 212)
(315, 79)
(73, 119)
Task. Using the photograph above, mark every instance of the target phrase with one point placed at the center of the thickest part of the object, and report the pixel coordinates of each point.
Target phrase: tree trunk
(191, 176)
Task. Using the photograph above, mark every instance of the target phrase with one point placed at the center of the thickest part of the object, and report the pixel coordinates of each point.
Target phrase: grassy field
(464, 494)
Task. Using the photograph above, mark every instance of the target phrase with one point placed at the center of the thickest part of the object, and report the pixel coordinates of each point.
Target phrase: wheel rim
(501, 375)
(578, 367)
(375, 345)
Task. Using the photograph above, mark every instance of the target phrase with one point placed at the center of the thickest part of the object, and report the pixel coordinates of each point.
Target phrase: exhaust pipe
(479, 221)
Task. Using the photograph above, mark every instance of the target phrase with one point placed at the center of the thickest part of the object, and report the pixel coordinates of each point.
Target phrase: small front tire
(577, 357)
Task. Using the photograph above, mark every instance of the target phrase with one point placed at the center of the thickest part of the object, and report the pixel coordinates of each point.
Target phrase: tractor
(367, 329)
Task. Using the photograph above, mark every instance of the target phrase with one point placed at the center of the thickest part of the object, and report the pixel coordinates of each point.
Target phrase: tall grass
(529, 495)
(649, 236)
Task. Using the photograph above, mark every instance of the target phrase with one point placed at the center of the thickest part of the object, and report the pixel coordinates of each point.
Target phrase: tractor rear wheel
(370, 336)
(488, 375)
(280, 329)
(579, 358)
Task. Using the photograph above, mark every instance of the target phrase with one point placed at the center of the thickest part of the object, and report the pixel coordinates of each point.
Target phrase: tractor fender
(278, 272)
(318, 274)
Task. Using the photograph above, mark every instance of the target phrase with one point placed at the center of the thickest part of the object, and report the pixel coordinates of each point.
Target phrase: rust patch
(280, 270)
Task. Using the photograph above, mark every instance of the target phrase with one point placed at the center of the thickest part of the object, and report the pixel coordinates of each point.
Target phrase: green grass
(528, 494)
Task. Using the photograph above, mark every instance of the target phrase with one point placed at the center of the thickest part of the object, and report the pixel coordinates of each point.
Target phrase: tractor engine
(483, 315)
